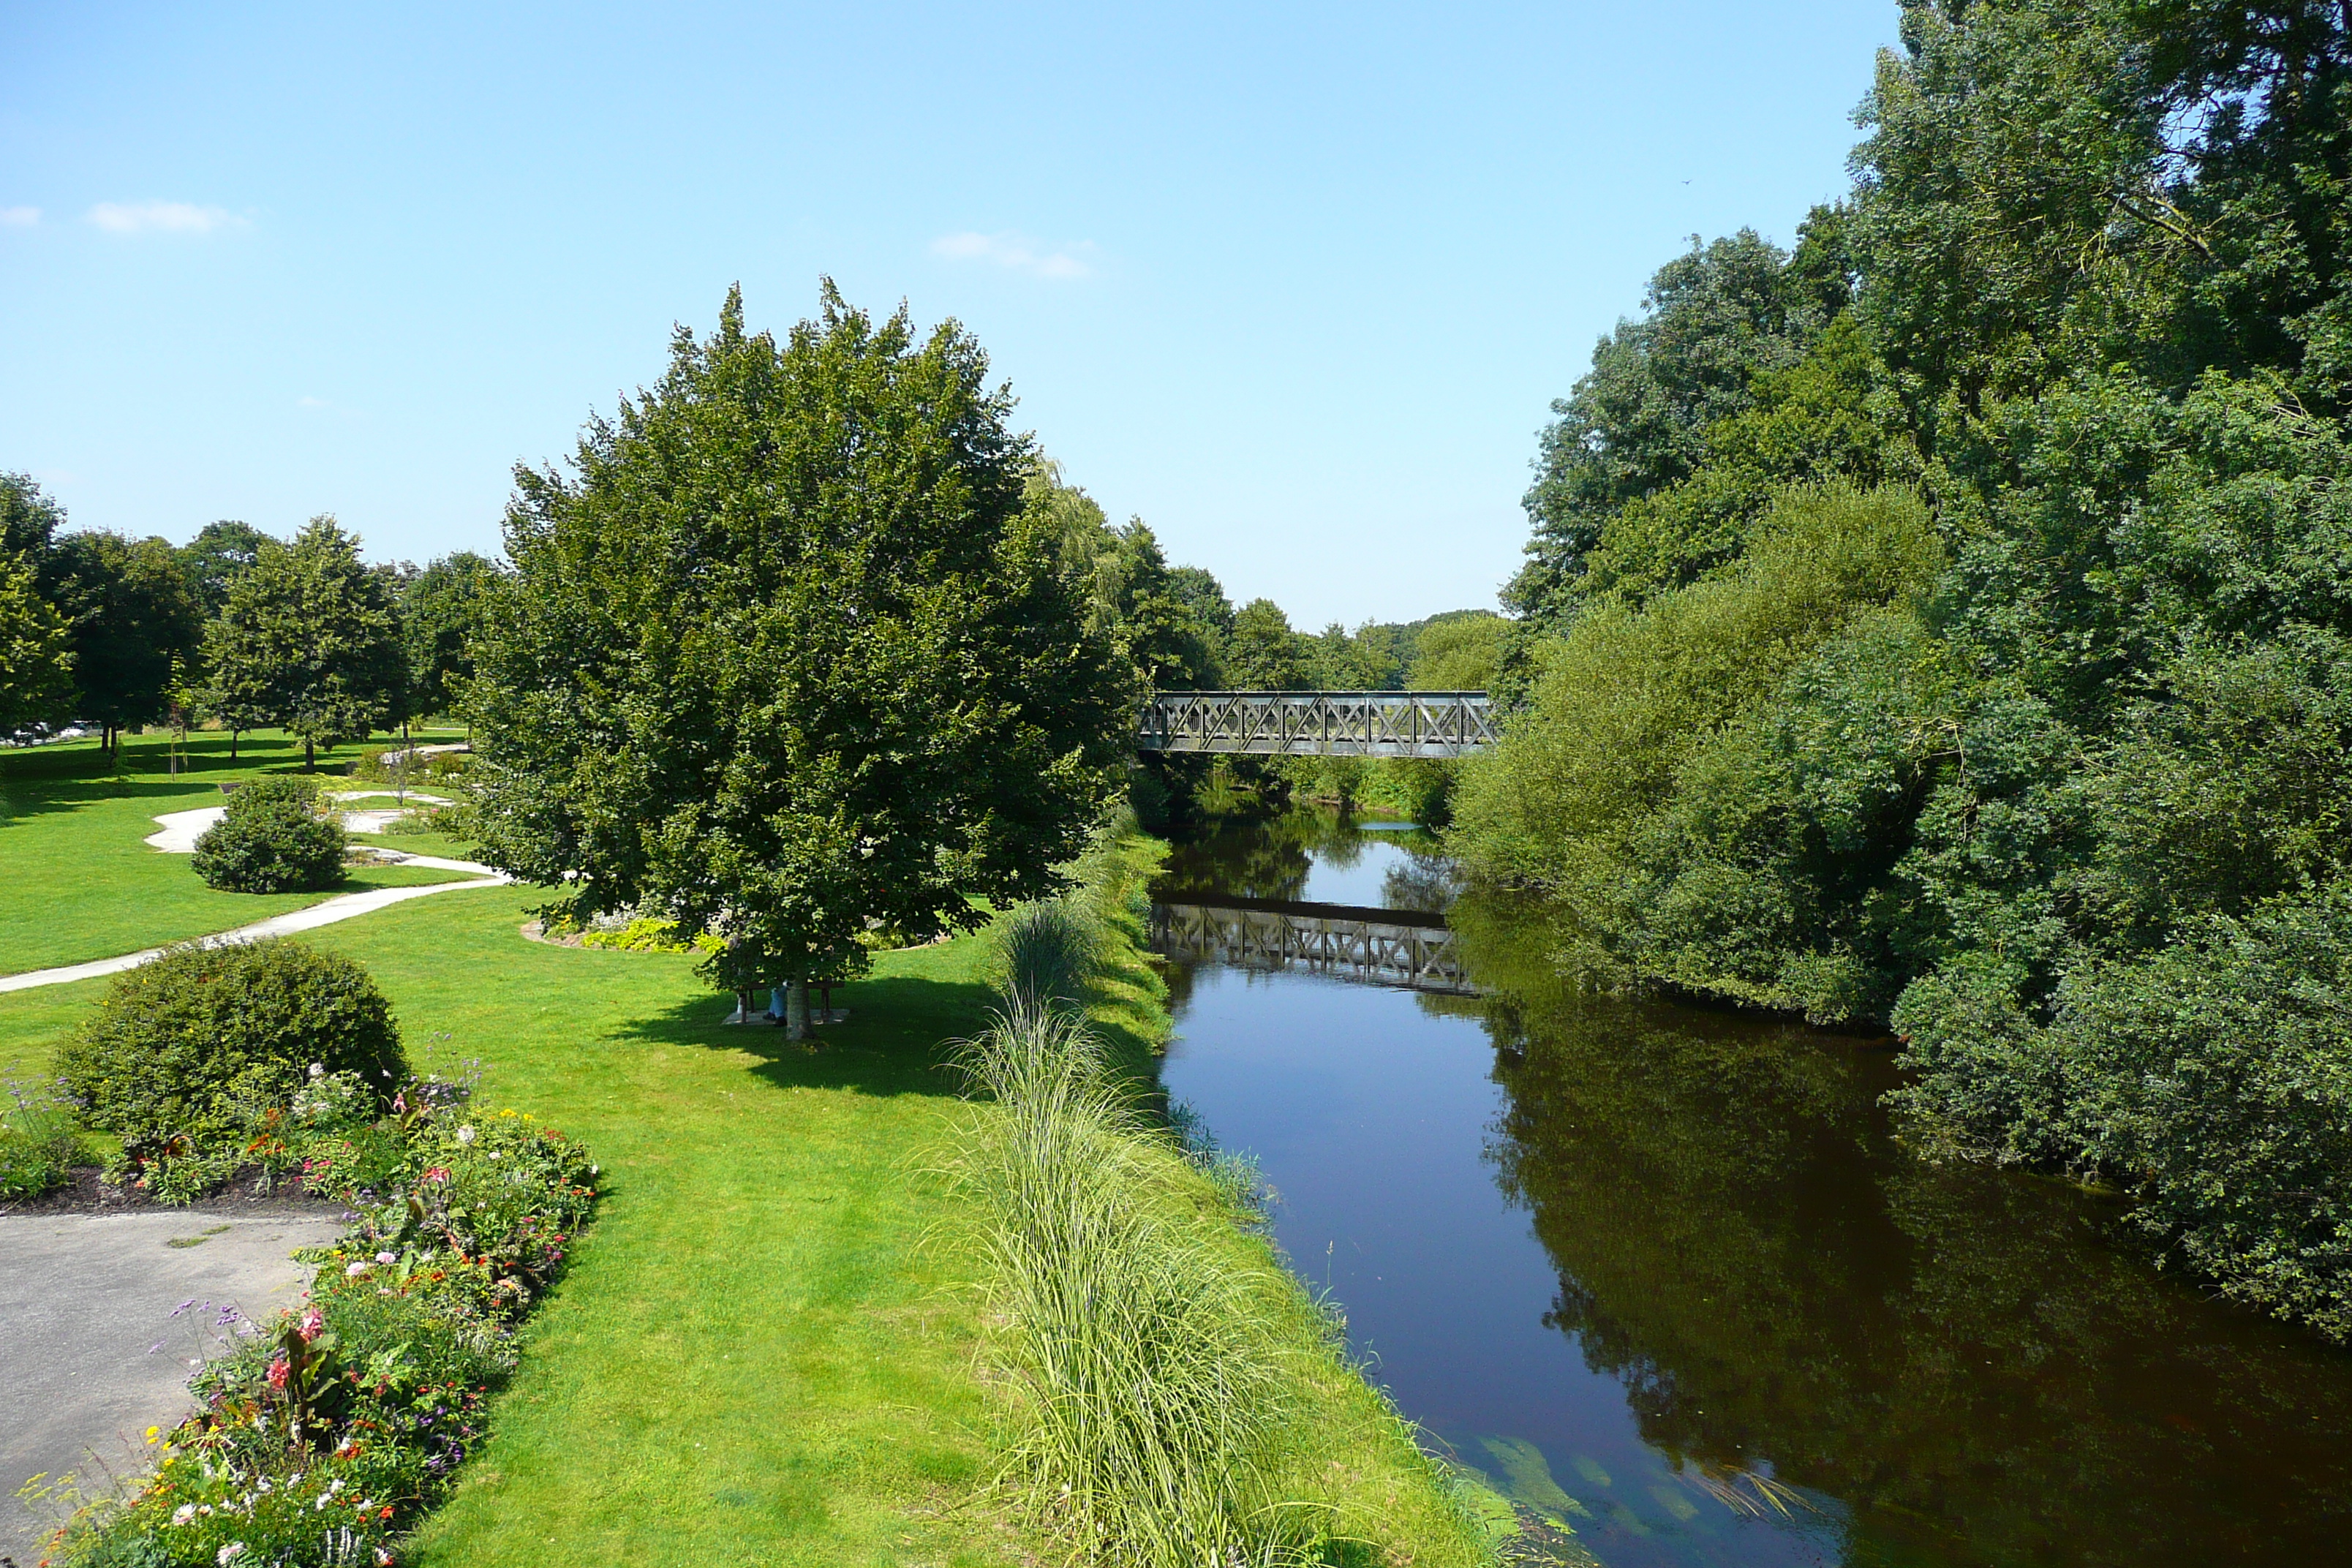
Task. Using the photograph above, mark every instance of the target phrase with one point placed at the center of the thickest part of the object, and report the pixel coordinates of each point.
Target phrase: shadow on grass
(40, 780)
(900, 1037)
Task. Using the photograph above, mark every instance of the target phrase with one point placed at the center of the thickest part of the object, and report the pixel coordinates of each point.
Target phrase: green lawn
(80, 882)
(754, 1359)
(765, 1349)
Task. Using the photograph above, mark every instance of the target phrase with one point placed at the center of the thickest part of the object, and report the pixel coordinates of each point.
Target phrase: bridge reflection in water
(1397, 948)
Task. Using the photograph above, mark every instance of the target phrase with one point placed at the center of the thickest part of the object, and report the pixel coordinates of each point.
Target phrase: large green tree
(441, 609)
(36, 652)
(787, 658)
(307, 640)
(215, 557)
(131, 617)
(2069, 815)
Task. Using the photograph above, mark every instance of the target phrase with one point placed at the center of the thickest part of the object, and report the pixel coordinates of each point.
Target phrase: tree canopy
(130, 617)
(2061, 801)
(789, 657)
(306, 639)
(215, 558)
(441, 609)
(36, 652)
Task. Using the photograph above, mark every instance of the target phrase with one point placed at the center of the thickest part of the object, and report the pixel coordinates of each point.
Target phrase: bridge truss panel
(1318, 723)
(1415, 957)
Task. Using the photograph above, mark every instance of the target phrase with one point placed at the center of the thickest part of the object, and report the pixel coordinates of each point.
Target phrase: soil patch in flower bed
(250, 1192)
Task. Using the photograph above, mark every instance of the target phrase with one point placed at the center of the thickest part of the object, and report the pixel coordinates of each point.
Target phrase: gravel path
(93, 1352)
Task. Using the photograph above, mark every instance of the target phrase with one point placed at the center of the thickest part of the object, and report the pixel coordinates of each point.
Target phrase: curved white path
(180, 831)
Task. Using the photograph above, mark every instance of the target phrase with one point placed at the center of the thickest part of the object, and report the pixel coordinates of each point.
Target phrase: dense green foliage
(188, 1056)
(2089, 302)
(218, 554)
(307, 640)
(272, 838)
(131, 616)
(440, 609)
(790, 656)
(35, 651)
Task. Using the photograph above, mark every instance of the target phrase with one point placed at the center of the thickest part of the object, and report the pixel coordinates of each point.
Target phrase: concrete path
(93, 1350)
(179, 837)
(345, 906)
(181, 829)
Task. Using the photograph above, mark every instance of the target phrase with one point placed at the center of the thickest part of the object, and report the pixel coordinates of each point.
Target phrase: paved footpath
(179, 837)
(94, 1351)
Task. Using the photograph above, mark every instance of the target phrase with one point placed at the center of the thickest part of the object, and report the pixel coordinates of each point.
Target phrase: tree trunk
(310, 756)
(797, 1010)
(742, 1008)
(232, 735)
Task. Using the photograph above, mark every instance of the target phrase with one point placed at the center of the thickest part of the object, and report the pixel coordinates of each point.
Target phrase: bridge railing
(1318, 723)
(1376, 947)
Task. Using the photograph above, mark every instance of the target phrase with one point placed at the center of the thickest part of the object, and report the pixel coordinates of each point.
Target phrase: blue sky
(1295, 284)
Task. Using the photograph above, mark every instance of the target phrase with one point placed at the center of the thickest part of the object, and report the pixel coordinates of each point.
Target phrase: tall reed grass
(1154, 1407)
(1174, 1399)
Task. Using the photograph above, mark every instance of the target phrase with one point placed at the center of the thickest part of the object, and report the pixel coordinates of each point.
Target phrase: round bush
(186, 1055)
(272, 840)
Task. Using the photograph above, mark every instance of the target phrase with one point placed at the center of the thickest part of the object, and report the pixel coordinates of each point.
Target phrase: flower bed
(325, 1434)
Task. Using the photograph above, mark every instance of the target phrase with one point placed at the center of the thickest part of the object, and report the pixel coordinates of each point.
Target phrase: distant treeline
(1183, 634)
(235, 627)
(1945, 624)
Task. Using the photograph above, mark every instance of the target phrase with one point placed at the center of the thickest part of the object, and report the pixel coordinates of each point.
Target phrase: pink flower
(438, 1173)
(313, 1324)
(278, 1370)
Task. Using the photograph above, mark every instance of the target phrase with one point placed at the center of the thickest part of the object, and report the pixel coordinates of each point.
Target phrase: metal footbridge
(1318, 723)
(1375, 947)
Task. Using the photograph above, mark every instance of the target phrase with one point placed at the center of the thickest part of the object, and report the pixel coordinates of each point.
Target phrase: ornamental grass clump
(275, 836)
(325, 1433)
(1153, 1410)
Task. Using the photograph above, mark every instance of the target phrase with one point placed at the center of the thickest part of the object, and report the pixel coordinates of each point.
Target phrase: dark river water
(1666, 1274)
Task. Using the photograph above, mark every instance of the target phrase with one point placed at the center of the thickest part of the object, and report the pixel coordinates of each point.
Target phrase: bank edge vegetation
(1171, 1395)
(1946, 624)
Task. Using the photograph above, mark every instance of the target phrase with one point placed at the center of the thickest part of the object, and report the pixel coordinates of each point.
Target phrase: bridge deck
(1318, 724)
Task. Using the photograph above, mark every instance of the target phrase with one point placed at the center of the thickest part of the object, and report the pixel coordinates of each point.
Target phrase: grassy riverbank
(1170, 1393)
(764, 1353)
(82, 884)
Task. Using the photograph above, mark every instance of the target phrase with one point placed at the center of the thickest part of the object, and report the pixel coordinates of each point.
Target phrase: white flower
(385, 1258)
(494, 1153)
(357, 1270)
(184, 1513)
(317, 1070)
(464, 1134)
(229, 1553)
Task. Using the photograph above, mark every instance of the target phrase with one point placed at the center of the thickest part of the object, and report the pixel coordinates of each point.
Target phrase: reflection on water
(1665, 1275)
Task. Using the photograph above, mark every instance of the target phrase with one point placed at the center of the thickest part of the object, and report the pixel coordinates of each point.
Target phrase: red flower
(313, 1324)
(278, 1370)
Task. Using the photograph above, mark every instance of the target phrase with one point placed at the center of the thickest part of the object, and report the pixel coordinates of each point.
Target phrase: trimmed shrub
(187, 1057)
(274, 839)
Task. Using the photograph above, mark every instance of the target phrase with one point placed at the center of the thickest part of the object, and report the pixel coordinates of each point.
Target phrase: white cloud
(161, 217)
(19, 217)
(1061, 263)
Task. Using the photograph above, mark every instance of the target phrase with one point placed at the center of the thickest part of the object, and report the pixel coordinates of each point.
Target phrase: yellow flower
(153, 1433)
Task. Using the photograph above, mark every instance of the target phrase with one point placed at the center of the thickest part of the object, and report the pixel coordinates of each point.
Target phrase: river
(1666, 1276)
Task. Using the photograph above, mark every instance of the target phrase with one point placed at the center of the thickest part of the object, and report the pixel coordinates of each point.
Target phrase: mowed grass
(755, 1357)
(77, 881)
